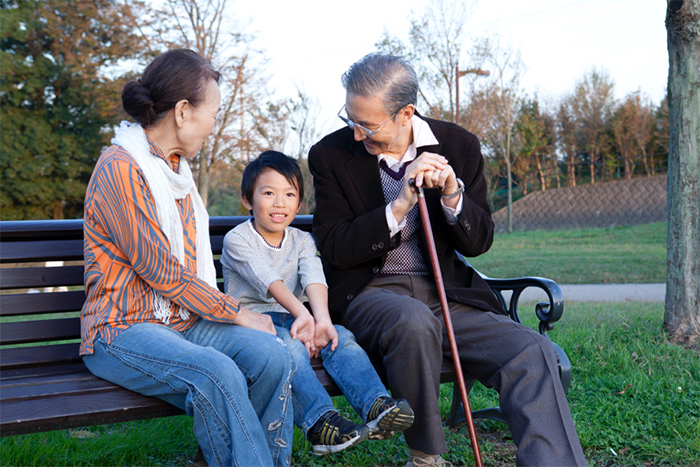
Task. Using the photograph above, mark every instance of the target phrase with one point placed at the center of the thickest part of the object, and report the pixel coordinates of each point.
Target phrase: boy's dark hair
(276, 161)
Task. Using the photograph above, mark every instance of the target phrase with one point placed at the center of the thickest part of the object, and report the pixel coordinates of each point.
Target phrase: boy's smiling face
(275, 203)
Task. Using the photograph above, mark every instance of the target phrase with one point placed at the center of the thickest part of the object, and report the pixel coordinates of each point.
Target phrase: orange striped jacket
(127, 255)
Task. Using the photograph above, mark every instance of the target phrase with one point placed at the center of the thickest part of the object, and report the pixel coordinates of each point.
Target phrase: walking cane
(423, 208)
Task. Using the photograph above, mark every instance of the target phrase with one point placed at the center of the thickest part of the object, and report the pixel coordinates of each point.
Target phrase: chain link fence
(623, 202)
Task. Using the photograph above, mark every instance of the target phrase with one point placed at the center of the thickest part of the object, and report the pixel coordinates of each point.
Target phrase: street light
(459, 74)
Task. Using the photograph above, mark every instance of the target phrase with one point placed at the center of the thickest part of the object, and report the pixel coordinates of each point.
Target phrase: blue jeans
(234, 381)
(348, 366)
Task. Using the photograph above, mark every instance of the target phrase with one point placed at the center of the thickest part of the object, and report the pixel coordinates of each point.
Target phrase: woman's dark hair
(178, 74)
(275, 160)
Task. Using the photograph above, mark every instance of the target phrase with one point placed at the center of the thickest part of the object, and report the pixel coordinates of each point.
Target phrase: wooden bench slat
(29, 357)
(54, 230)
(448, 373)
(39, 251)
(39, 303)
(25, 332)
(217, 244)
(41, 277)
(19, 375)
(80, 380)
(75, 410)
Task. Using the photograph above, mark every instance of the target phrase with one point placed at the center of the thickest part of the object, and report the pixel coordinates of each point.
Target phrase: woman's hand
(253, 320)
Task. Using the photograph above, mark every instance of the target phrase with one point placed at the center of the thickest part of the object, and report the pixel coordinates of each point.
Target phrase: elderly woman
(154, 321)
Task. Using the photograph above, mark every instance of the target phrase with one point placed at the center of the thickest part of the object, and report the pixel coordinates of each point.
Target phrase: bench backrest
(41, 287)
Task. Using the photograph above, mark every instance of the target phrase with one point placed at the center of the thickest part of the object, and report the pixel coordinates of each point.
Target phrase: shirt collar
(422, 136)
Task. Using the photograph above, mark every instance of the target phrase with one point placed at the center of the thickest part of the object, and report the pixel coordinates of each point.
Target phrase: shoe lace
(379, 406)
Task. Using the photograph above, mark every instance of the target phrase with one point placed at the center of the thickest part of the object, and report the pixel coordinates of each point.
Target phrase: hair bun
(138, 103)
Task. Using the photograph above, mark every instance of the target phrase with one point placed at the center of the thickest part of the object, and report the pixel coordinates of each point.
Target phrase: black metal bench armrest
(547, 313)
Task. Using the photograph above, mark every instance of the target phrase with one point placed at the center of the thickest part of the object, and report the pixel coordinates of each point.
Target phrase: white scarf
(167, 186)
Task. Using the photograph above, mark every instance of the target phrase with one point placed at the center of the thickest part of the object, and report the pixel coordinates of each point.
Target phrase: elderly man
(367, 228)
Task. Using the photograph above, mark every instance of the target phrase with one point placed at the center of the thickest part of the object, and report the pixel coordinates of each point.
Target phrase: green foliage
(57, 100)
(615, 255)
(633, 392)
(159, 442)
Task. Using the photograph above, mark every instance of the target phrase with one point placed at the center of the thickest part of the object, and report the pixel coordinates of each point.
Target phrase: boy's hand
(303, 328)
(325, 333)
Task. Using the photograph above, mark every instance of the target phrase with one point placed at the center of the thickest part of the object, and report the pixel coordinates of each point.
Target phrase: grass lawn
(635, 399)
(616, 255)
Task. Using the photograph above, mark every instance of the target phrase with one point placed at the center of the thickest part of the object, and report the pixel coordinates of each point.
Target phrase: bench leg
(564, 367)
(199, 457)
(457, 411)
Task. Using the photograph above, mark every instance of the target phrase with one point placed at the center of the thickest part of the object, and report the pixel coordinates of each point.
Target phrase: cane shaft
(423, 208)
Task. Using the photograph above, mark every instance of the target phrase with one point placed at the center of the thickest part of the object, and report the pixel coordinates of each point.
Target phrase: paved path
(604, 293)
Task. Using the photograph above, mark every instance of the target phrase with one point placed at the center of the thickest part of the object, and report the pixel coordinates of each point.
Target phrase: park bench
(44, 385)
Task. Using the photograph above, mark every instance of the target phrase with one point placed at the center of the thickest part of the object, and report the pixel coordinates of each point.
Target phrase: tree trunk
(509, 168)
(555, 170)
(682, 314)
(57, 209)
(571, 170)
(540, 173)
(509, 210)
(645, 161)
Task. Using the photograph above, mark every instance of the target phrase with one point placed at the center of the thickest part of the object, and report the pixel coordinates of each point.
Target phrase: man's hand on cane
(429, 170)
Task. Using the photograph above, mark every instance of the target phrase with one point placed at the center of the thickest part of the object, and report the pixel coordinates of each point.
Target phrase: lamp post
(458, 75)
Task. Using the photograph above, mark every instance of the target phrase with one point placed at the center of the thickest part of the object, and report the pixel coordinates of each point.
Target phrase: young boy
(268, 266)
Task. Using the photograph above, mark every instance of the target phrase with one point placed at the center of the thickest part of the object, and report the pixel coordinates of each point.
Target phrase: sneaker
(387, 416)
(428, 461)
(333, 433)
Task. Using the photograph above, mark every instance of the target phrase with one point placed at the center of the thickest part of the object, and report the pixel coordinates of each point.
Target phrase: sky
(310, 43)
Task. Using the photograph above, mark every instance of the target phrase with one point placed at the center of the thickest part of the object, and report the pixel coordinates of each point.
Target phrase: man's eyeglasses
(363, 129)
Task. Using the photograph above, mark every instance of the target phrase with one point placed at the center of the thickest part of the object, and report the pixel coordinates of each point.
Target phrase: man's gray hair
(379, 74)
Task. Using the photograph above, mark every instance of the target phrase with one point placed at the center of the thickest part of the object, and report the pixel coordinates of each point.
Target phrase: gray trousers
(398, 321)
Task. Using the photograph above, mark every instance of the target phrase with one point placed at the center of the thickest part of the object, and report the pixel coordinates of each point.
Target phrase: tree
(592, 104)
(536, 135)
(682, 314)
(660, 135)
(643, 131)
(503, 99)
(249, 120)
(58, 93)
(306, 126)
(632, 131)
(437, 37)
(435, 43)
(566, 138)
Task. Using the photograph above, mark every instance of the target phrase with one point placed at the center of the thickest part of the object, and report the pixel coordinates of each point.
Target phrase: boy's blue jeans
(348, 366)
(234, 381)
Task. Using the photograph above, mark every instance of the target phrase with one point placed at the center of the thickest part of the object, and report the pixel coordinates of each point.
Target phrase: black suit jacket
(350, 225)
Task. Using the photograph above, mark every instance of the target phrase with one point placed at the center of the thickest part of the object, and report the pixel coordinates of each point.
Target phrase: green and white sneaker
(388, 415)
(333, 433)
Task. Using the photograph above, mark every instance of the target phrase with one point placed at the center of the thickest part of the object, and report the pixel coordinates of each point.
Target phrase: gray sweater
(250, 265)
